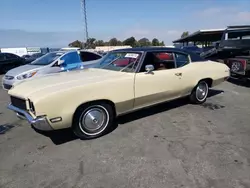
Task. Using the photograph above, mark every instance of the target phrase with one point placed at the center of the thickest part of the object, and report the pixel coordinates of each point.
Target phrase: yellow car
(123, 81)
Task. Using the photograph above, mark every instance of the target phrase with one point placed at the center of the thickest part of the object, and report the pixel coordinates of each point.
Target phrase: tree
(90, 43)
(76, 43)
(162, 43)
(130, 41)
(184, 34)
(106, 43)
(155, 42)
(144, 42)
(119, 43)
(99, 43)
(113, 42)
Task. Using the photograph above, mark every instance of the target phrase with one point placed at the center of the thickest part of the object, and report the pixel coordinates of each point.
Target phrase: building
(25, 50)
(205, 37)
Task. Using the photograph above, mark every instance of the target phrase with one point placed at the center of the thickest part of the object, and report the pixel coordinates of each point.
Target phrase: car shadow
(5, 127)
(62, 136)
(239, 82)
(59, 137)
(166, 106)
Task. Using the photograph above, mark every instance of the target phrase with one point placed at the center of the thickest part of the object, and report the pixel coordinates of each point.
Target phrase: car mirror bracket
(149, 69)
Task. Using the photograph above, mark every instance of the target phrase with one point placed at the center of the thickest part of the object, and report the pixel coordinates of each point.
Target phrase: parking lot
(170, 146)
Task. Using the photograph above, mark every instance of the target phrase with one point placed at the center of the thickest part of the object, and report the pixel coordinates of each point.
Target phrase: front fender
(64, 103)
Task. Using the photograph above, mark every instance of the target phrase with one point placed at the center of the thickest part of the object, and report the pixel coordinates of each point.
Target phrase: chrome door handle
(178, 74)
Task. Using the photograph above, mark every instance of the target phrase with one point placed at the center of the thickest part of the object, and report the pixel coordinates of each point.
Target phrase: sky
(56, 23)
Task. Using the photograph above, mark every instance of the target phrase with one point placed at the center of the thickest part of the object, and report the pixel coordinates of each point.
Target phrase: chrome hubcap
(94, 120)
(201, 91)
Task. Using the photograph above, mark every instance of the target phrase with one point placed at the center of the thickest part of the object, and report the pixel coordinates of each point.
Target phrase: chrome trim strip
(138, 68)
(40, 123)
(30, 119)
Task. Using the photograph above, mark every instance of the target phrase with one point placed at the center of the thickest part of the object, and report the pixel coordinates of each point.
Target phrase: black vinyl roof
(194, 57)
(149, 49)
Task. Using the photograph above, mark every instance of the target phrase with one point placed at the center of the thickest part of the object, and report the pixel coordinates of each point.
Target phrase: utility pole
(84, 14)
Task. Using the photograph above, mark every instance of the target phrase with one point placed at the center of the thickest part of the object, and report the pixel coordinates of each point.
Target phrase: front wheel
(93, 120)
(199, 93)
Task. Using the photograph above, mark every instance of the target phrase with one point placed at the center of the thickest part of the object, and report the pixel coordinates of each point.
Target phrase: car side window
(11, 56)
(160, 61)
(2, 57)
(71, 58)
(87, 56)
(181, 59)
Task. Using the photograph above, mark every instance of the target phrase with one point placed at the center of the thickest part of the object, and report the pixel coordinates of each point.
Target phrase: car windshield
(120, 61)
(47, 59)
(36, 55)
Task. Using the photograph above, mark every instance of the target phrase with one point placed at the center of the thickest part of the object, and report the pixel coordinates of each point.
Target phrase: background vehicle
(194, 49)
(33, 57)
(234, 49)
(235, 41)
(239, 66)
(98, 95)
(26, 56)
(52, 62)
(9, 61)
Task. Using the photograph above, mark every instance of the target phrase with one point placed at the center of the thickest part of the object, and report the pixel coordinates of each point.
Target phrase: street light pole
(84, 14)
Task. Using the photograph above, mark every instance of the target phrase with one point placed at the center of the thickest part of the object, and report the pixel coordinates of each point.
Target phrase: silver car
(52, 62)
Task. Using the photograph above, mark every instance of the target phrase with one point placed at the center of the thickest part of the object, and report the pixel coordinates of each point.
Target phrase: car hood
(23, 69)
(41, 86)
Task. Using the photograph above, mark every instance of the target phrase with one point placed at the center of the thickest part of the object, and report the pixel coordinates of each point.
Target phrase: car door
(187, 72)
(71, 61)
(162, 84)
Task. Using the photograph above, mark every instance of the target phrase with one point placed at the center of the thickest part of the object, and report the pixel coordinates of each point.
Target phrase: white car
(52, 62)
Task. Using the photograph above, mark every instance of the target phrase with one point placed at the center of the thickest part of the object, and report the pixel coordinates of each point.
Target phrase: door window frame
(86, 53)
(164, 51)
(11, 56)
(69, 53)
(188, 56)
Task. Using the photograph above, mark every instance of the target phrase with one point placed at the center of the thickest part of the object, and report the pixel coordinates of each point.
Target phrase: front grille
(19, 103)
(7, 86)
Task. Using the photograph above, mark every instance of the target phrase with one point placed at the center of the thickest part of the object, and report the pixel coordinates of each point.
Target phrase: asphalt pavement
(172, 145)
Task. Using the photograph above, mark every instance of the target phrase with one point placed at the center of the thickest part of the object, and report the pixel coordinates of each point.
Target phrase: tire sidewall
(193, 97)
(76, 126)
(204, 99)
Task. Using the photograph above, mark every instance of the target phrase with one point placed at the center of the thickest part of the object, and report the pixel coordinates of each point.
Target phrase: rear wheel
(93, 120)
(199, 93)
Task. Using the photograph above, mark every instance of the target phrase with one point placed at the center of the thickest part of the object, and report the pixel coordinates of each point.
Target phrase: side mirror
(61, 61)
(149, 68)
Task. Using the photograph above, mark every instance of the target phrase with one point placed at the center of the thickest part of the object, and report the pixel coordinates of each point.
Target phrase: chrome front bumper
(40, 123)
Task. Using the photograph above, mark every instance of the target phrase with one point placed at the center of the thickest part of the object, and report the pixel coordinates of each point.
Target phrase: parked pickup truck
(239, 66)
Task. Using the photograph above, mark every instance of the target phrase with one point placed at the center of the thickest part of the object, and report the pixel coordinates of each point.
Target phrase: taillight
(244, 63)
